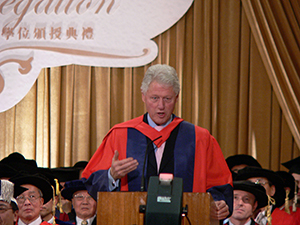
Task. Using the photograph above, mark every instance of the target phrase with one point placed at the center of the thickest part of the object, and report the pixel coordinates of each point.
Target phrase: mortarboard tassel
(53, 206)
(295, 198)
(268, 213)
(58, 193)
(286, 203)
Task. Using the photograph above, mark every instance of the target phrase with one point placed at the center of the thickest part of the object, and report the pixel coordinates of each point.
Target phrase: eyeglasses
(32, 198)
(4, 209)
(80, 197)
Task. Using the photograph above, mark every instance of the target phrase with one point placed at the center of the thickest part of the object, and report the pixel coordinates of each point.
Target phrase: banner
(46, 33)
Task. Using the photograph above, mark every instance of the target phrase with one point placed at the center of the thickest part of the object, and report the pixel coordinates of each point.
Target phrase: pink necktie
(159, 152)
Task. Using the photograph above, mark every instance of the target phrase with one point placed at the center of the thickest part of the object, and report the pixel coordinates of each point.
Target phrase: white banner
(45, 33)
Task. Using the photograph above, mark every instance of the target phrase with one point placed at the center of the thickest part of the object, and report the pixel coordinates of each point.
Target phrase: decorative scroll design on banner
(25, 65)
(1, 83)
(79, 52)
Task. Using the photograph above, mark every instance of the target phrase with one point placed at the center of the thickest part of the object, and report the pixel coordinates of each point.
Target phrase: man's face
(84, 205)
(160, 102)
(270, 189)
(29, 210)
(46, 210)
(7, 215)
(244, 205)
(297, 180)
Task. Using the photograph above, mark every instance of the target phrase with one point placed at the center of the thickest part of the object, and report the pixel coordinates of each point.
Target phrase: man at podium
(166, 143)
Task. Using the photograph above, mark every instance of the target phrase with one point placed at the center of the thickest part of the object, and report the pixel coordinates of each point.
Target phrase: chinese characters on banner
(39, 33)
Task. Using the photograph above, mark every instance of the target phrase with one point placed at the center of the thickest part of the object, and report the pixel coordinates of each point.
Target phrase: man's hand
(119, 168)
(219, 210)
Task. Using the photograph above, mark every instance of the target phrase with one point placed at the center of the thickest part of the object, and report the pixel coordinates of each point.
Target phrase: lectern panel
(122, 208)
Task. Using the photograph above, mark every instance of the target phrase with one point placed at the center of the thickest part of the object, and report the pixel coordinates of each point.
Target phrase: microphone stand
(143, 175)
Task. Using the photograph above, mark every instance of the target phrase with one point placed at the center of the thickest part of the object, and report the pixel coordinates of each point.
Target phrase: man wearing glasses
(274, 187)
(84, 205)
(30, 201)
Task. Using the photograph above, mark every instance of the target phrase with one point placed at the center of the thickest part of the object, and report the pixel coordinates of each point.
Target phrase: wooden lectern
(122, 208)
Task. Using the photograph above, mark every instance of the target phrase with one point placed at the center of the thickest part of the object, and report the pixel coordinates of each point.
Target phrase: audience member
(247, 197)
(288, 213)
(84, 205)
(65, 174)
(8, 204)
(240, 161)
(49, 211)
(294, 169)
(274, 188)
(30, 201)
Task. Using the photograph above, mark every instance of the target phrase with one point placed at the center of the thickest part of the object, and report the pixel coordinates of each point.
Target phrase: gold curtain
(238, 64)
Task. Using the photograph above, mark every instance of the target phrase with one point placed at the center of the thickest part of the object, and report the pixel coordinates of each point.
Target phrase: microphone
(143, 174)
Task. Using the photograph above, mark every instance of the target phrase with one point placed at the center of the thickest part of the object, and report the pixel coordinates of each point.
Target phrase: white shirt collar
(89, 220)
(248, 223)
(38, 221)
(51, 220)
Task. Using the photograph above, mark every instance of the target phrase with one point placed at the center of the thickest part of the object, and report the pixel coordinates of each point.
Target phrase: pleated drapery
(238, 65)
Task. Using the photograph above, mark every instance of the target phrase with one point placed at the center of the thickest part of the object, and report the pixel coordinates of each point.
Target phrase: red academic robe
(198, 158)
(279, 217)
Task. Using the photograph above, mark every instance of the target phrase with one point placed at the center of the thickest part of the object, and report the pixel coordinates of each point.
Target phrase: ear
(176, 100)
(254, 206)
(143, 97)
(16, 216)
(42, 201)
(273, 190)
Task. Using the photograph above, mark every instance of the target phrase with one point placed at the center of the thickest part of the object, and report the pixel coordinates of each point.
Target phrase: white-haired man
(181, 148)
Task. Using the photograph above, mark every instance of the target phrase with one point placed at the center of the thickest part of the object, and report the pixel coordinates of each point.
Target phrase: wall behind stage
(228, 87)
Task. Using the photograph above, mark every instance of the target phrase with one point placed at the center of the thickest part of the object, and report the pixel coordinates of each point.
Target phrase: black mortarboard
(7, 171)
(240, 159)
(233, 174)
(51, 178)
(37, 180)
(250, 172)
(18, 190)
(71, 187)
(80, 164)
(289, 181)
(256, 189)
(293, 165)
(65, 174)
(19, 163)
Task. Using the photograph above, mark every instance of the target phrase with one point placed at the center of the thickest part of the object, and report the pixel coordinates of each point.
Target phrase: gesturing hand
(119, 168)
(219, 210)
